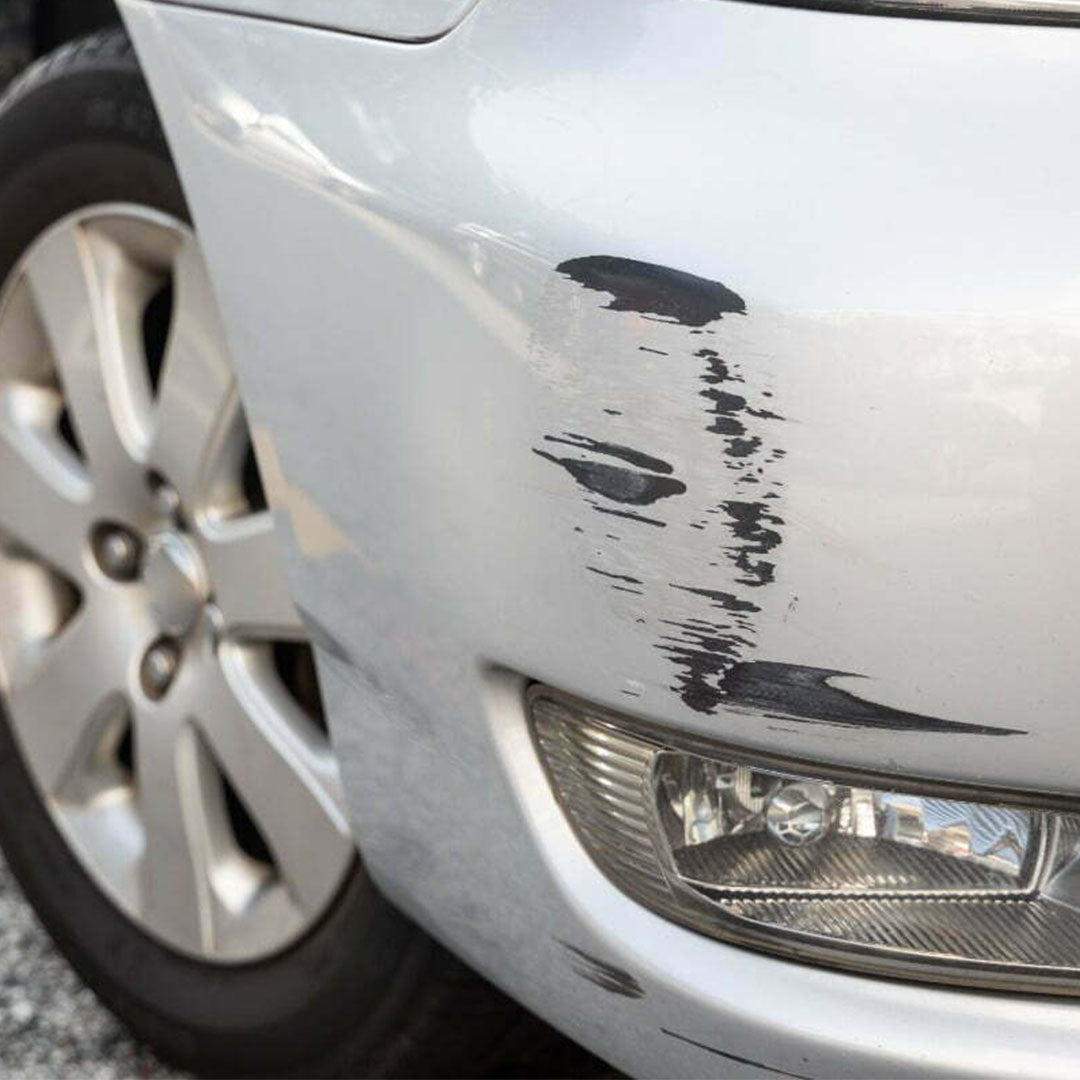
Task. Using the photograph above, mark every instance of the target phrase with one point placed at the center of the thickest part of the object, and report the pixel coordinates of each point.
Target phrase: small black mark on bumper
(608, 977)
(629, 515)
(616, 450)
(616, 482)
(617, 577)
(654, 290)
(795, 692)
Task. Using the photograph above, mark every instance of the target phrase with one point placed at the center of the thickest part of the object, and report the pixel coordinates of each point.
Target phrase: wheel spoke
(197, 397)
(43, 498)
(89, 298)
(135, 710)
(248, 571)
(59, 695)
(287, 780)
(172, 777)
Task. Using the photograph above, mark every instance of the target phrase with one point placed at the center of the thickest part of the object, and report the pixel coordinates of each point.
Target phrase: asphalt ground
(52, 1026)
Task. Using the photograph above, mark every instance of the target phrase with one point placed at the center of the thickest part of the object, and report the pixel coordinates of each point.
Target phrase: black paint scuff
(721, 599)
(618, 577)
(628, 515)
(617, 483)
(654, 290)
(705, 651)
(599, 972)
(752, 523)
(737, 410)
(797, 692)
(711, 650)
(617, 450)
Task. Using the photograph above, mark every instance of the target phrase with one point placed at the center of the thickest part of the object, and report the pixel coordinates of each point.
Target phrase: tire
(16, 38)
(364, 992)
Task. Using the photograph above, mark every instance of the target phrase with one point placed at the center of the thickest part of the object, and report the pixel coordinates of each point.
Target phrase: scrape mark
(797, 692)
(624, 453)
(702, 649)
(618, 577)
(733, 1057)
(599, 972)
(628, 514)
(739, 411)
(750, 523)
(721, 599)
(655, 290)
(710, 646)
(616, 483)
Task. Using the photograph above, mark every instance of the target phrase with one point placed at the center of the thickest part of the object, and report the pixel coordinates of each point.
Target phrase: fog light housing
(858, 872)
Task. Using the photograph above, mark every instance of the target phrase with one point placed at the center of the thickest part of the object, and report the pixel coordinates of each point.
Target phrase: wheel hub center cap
(176, 581)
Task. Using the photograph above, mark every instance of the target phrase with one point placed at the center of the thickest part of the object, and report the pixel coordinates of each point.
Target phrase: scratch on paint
(655, 290)
(737, 411)
(628, 514)
(599, 972)
(711, 651)
(618, 577)
(624, 453)
(733, 1057)
(616, 482)
(791, 691)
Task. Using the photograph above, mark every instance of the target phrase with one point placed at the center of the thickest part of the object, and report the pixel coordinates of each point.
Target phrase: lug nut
(158, 668)
(215, 621)
(118, 552)
(165, 495)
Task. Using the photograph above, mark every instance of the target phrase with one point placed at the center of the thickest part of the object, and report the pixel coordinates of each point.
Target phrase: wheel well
(57, 21)
(31, 28)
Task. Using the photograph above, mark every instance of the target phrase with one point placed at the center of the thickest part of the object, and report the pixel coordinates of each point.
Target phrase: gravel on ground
(51, 1025)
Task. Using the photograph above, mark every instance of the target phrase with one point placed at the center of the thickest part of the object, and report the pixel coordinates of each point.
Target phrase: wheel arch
(32, 28)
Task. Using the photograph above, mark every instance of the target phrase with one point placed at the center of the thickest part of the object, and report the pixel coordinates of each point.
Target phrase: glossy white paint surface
(401, 20)
(384, 224)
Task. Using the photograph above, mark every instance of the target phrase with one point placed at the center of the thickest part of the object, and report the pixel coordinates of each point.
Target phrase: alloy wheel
(152, 664)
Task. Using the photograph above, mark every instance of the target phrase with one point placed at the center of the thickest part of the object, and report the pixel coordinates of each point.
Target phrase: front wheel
(169, 799)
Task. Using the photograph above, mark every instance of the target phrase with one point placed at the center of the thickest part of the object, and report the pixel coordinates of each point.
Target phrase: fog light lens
(733, 827)
(899, 881)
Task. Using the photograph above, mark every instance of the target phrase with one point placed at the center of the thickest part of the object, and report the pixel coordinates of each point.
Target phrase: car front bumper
(894, 203)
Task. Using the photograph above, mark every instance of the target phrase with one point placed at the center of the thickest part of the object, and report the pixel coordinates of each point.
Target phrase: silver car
(573, 495)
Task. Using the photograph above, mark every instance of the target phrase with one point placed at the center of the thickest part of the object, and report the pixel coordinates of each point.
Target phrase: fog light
(901, 880)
